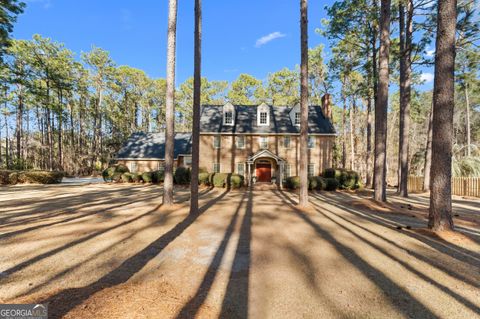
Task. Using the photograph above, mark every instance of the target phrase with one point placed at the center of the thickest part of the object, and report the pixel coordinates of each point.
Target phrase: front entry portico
(265, 167)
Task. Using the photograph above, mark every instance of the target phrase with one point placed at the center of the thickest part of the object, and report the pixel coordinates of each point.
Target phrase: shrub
(158, 176)
(117, 177)
(236, 181)
(5, 177)
(316, 183)
(219, 179)
(126, 177)
(147, 177)
(182, 175)
(347, 179)
(40, 177)
(293, 182)
(136, 177)
(108, 173)
(332, 184)
(13, 178)
(203, 178)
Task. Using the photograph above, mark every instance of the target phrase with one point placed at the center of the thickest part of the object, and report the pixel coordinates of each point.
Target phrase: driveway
(112, 251)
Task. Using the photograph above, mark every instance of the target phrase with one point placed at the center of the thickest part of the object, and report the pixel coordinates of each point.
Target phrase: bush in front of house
(126, 177)
(182, 175)
(158, 176)
(204, 178)
(136, 177)
(347, 179)
(109, 172)
(236, 181)
(147, 177)
(219, 179)
(117, 177)
(292, 182)
(316, 183)
(332, 184)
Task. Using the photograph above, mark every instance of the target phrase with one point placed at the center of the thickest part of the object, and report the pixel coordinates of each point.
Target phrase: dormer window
(228, 118)
(228, 114)
(297, 118)
(263, 112)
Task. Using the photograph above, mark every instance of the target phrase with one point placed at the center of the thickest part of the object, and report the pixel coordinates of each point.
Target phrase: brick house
(259, 142)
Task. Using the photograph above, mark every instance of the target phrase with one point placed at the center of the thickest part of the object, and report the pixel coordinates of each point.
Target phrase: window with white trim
(311, 169)
(187, 161)
(286, 141)
(228, 118)
(263, 111)
(311, 142)
(240, 140)
(133, 167)
(216, 141)
(216, 167)
(263, 141)
(241, 169)
(297, 118)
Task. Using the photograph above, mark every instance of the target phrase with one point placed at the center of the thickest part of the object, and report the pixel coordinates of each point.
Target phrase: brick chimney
(327, 105)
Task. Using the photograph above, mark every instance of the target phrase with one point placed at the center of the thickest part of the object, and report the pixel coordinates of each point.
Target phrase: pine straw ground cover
(113, 251)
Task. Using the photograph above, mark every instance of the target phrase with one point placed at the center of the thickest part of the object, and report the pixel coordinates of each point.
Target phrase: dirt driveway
(112, 251)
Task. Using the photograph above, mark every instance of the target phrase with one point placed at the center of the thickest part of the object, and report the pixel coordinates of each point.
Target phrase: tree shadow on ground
(64, 301)
(395, 293)
(392, 221)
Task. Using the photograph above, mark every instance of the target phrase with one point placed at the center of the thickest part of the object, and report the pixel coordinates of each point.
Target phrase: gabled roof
(265, 153)
(211, 120)
(142, 145)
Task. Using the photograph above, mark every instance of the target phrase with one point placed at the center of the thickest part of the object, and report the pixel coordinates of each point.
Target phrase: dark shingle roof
(152, 145)
(211, 120)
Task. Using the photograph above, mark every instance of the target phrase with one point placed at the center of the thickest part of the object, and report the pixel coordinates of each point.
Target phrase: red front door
(264, 172)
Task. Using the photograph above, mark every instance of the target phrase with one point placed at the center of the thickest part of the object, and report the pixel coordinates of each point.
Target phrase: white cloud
(430, 53)
(427, 77)
(269, 37)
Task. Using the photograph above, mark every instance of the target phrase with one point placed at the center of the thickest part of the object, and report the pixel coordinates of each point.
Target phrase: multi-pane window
(216, 141)
(297, 118)
(311, 142)
(228, 117)
(240, 141)
(241, 169)
(263, 142)
(286, 170)
(133, 167)
(187, 160)
(263, 118)
(216, 167)
(286, 141)
(311, 169)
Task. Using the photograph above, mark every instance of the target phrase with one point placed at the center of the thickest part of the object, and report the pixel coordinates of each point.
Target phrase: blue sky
(248, 36)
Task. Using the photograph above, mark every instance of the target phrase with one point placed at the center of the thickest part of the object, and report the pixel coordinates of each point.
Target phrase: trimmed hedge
(147, 177)
(236, 181)
(182, 175)
(204, 178)
(111, 171)
(126, 178)
(292, 182)
(158, 176)
(219, 179)
(8, 177)
(317, 183)
(347, 179)
(332, 184)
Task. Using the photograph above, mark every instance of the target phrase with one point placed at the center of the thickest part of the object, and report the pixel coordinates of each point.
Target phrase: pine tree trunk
(19, 124)
(170, 103)
(197, 78)
(467, 114)
(405, 94)
(440, 213)
(344, 126)
(303, 199)
(369, 142)
(381, 106)
(428, 153)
